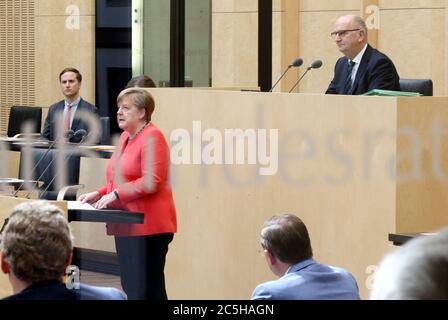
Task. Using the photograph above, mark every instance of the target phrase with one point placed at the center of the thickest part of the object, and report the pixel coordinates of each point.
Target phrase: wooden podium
(353, 168)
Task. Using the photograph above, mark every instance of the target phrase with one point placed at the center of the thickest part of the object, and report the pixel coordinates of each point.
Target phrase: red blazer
(142, 184)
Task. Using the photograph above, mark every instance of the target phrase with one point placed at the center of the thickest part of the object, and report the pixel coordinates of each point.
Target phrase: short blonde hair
(140, 98)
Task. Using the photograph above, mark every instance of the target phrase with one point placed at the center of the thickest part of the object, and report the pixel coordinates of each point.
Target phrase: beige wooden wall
(39, 39)
(411, 32)
(234, 43)
(65, 37)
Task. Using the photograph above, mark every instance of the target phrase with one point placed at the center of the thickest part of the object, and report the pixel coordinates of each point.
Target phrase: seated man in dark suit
(362, 68)
(36, 249)
(287, 249)
(72, 113)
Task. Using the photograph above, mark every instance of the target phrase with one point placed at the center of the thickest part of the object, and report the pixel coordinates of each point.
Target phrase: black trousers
(142, 264)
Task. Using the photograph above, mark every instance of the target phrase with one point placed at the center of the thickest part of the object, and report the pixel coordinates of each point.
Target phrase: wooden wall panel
(232, 201)
(17, 57)
(235, 49)
(61, 42)
(234, 5)
(325, 5)
(412, 4)
(415, 41)
(284, 44)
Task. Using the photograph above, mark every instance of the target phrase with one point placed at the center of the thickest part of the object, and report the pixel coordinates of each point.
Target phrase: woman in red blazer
(137, 180)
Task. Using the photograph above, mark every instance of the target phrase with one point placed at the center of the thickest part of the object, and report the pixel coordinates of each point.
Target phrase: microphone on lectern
(315, 65)
(296, 63)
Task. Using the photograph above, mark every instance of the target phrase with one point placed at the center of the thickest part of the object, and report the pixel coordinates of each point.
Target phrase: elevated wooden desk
(343, 164)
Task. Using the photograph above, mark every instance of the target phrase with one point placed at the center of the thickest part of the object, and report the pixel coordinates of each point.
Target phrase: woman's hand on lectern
(90, 197)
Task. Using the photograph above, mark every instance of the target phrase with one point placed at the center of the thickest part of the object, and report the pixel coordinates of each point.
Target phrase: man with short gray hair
(362, 68)
(36, 249)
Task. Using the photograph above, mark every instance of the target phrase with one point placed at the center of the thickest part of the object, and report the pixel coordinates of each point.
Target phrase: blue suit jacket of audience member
(55, 290)
(309, 280)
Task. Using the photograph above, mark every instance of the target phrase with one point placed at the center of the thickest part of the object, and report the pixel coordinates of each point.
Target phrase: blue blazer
(309, 280)
(376, 71)
(56, 290)
(49, 127)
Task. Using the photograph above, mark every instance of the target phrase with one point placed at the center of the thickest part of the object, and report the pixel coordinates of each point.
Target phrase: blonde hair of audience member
(416, 270)
(36, 244)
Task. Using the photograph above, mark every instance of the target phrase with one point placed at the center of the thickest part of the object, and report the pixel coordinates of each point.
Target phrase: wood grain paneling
(234, 52)
(17, 57)
(415, 41)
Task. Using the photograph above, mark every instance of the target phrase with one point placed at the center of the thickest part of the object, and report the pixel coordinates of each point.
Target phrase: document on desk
(77, 205)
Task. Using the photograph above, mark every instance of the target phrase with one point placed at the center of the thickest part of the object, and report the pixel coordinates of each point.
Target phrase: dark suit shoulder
(376, 55)
(59, 104)
(85, 104)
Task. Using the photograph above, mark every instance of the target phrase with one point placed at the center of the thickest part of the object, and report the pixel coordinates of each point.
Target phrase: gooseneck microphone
(68, 135)
(315, 65)
(296, 63)
(81, 133)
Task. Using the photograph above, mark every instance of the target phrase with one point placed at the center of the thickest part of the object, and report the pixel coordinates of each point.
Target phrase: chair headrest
(422, 86)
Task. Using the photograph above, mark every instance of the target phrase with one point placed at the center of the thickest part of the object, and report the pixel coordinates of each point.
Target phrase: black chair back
(105, 131)
(422, 86)
(18, 115)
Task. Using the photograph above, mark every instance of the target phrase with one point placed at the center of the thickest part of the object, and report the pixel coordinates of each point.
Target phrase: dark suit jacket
(49, 126)
(55, 290)
(376, 71)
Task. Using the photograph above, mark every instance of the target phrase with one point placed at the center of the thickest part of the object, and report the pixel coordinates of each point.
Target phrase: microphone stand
(280, 78)
(307, 69)
(65, 160)
(69, 134)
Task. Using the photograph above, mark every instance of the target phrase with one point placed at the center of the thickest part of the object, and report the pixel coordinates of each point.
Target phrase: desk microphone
(315, 65)
(296, 63)
(79, 133)
(68, 135)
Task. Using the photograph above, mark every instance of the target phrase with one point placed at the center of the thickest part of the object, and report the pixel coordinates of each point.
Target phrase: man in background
(362, 68)
(72, 113)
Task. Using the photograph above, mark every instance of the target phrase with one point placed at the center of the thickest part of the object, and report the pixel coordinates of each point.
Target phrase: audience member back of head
(36, 249)
(418, 270)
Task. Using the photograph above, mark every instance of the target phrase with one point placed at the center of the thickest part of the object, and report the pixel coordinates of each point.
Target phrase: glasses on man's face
(341, 33)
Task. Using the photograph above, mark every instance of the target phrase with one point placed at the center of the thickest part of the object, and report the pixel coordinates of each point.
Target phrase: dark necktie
(348, 79)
